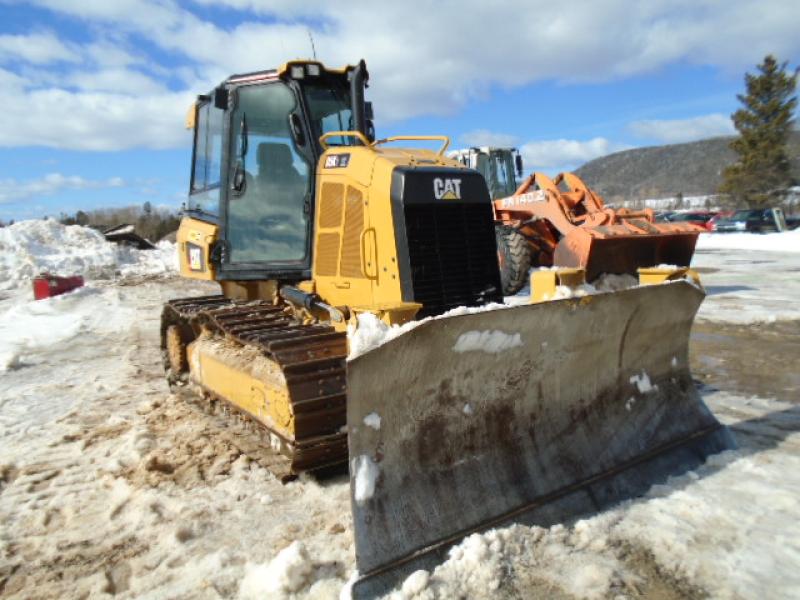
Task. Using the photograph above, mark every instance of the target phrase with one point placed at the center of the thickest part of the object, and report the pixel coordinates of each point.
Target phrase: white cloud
(416, 50)
(35, 48)
(484, 137)
(12, 190)
(565, 154)
(86, 120)
(674, 131)
(116, 80)
(110, 54)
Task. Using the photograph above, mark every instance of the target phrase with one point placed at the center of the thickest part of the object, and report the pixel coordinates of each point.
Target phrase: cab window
(206, 169)
(267, 215)
(329, 110)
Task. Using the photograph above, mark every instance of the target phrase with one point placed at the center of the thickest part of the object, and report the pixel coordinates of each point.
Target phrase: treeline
(149, 222)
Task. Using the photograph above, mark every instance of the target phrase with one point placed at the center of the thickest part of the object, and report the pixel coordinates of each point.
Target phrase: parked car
(696, 217)
(755, 220)
(663, 216)
(720, 216)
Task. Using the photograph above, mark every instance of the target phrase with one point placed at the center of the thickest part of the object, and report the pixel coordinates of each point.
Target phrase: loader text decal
(447, 189)
(528, 198)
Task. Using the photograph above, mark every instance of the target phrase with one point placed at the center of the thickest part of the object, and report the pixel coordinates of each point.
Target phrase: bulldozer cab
(501, 167)
(255, 153)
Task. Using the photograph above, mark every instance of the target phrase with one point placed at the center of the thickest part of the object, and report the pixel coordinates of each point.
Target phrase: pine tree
(764, 124)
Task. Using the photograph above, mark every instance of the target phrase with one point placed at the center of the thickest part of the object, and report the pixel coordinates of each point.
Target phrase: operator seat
(283, 186)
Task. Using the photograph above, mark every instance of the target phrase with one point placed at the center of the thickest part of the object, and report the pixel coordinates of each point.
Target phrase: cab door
(267, 208)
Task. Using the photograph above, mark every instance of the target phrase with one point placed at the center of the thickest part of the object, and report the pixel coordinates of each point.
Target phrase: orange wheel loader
(562, 222)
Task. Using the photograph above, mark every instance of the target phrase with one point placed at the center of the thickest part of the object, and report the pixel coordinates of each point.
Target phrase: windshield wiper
(239, 178)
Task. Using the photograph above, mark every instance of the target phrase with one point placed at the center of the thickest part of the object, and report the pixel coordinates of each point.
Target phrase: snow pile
(477, 563)
(288, 572)
(786, 241)
(28, 248)
(162, 260)
(27, 328)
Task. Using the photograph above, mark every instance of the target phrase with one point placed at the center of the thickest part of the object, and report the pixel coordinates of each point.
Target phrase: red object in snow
(46, 285)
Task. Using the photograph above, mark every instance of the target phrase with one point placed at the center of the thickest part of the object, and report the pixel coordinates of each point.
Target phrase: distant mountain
(693, 169)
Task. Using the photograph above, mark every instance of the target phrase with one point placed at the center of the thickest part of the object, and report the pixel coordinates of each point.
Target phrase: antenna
(311, 38)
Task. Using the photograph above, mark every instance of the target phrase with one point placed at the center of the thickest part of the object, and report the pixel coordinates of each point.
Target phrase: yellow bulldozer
(477, 416)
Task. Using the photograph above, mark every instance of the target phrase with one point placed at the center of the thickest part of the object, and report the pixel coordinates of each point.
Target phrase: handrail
(356, 134)
(395, 138)
(398, 138)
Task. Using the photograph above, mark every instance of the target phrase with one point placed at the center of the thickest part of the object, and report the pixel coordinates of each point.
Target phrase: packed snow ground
(110, 485)
(745, 284)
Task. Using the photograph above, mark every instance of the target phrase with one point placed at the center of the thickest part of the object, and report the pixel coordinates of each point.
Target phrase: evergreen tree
(764, 124)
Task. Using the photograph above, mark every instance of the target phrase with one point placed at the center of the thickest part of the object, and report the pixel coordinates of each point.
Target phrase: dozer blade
(623, 248)
(532, 414)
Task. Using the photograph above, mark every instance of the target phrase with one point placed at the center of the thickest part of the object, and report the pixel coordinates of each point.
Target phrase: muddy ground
(759, 359)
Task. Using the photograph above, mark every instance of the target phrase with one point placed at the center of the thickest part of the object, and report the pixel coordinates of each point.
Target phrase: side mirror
(296, 127)
(518, 163)
(221, 98)
(369, 115)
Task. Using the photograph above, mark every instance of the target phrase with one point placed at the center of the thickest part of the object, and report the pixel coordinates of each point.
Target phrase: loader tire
(514, 258)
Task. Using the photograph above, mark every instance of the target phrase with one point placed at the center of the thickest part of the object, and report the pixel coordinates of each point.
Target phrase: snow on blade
(491, 342)
(373, 420)
(367, 472)
(370, 332)
(607, 282)
(642, 383)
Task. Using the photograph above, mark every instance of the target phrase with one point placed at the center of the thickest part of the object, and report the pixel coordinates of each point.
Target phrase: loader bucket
(532, 414)
(622, 248)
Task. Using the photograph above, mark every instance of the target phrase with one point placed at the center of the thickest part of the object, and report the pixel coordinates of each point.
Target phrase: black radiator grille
(453, 255)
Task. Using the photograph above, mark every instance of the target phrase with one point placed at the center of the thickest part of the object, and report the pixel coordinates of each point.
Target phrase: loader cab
(255, 153)
(501, 167)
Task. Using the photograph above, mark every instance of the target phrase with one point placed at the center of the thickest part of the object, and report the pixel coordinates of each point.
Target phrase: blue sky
(94, 92)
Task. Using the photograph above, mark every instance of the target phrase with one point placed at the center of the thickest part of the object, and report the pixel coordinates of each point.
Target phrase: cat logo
(447, 189)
